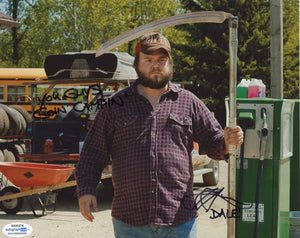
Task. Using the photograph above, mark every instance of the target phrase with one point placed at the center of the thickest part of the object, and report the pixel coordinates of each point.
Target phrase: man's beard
(156, 82)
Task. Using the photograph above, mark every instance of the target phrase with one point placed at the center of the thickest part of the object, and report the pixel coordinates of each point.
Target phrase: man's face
(154, 70)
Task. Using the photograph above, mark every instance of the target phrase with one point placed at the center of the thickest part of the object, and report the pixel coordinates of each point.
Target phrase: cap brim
(152, 49)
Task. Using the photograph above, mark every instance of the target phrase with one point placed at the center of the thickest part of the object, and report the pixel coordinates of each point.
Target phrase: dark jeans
(186, 230)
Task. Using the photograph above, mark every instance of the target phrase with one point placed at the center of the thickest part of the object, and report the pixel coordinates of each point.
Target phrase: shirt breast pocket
(125, 121)
(180, 129)
(125, 130)
(182, 120)
(180, 123)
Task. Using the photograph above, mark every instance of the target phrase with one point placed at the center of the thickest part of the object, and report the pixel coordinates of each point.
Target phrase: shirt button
(153, 172)
(152, 191)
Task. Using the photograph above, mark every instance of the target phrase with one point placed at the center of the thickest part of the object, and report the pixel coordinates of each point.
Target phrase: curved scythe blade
(194, 17)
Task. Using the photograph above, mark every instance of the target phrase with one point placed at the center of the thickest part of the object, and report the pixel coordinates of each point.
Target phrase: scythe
(199, 17)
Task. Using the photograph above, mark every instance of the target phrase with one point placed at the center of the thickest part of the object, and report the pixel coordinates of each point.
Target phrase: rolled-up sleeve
(208, 132)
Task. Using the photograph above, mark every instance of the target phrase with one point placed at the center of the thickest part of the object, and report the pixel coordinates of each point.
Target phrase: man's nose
(156, 64)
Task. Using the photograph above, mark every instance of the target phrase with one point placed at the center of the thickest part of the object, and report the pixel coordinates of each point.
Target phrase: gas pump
(263, 168)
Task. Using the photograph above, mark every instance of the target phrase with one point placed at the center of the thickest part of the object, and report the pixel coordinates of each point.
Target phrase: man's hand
(85, 202)
(233, 136)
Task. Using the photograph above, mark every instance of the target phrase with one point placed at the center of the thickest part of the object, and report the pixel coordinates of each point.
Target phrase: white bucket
(295, 224)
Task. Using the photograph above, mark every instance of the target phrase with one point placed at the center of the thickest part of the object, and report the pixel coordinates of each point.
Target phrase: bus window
(77, 93)
(14, 91)
(63, 93)
(55, 95)
(1, 93)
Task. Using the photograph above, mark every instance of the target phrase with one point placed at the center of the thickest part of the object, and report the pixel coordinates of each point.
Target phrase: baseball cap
(151, 42)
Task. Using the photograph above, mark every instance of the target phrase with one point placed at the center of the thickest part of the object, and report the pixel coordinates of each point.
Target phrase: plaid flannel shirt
(150, 151)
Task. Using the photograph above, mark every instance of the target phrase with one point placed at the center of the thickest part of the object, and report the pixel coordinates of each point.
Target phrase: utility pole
(276, 49)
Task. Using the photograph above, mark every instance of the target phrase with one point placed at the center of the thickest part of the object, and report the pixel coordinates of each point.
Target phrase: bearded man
(149, 141)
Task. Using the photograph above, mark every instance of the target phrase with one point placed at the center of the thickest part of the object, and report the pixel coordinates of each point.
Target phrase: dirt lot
(66, 221)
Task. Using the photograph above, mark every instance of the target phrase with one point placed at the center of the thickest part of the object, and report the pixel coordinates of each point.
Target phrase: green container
(242, 92)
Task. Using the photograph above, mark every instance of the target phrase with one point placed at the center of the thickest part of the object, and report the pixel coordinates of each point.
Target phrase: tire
(9, 156)
(212, 178)
(4, 121)
(14, 122)
(23, 124)
(22, 145)
(1, 156)
(24, 114)
(20, 122)
(17, 149)
(11, 206)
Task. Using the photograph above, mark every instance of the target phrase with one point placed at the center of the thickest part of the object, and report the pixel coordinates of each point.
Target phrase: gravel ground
(66, 221)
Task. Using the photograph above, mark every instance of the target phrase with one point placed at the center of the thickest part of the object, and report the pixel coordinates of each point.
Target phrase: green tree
(291, 48)
(205, 58)
(59, 26)
(10, 39)
(43, 33)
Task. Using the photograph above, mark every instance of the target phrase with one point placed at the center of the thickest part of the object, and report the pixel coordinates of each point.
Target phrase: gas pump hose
(260, 167)
(241, 172)
(263, 141)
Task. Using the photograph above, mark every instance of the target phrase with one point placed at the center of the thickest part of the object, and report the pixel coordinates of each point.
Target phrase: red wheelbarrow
(29, 179)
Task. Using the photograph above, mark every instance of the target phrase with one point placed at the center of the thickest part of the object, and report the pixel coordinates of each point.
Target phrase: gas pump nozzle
(264, 134)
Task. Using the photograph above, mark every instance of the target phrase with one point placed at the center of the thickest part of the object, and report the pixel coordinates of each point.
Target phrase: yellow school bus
(22, 85)
(13, 87)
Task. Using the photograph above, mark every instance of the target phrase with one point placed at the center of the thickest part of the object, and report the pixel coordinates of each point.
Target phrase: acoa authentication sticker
(17, 230)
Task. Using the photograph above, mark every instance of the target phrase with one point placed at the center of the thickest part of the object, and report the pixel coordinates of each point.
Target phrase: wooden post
(276, 49)
(233, 45)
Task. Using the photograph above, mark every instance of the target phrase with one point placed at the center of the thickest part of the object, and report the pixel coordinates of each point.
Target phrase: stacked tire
(14, 121)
